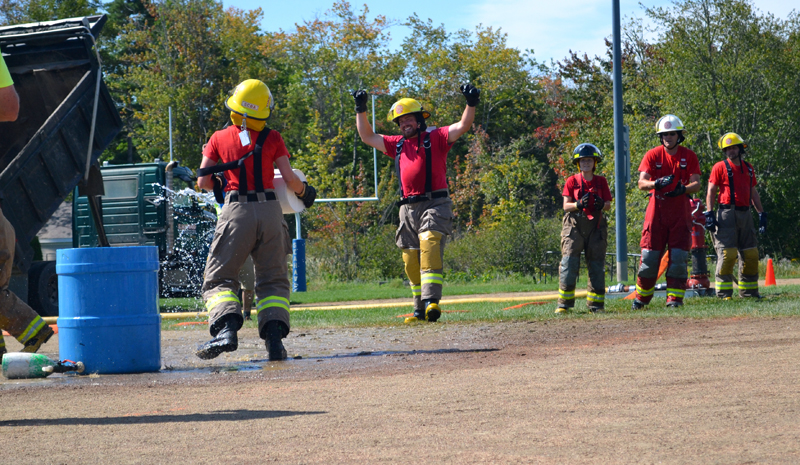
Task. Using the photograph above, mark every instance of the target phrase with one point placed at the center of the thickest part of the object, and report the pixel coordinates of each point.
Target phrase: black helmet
(586, 150)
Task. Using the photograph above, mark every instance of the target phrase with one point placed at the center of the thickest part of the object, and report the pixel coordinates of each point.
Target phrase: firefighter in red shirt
(426, 211)
(585, 229)
(669, 172)
(732, 226)
(250, 223)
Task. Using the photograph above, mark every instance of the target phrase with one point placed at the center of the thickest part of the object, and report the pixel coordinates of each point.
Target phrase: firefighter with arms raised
(732, 225)
(426, 213)
(250, 222)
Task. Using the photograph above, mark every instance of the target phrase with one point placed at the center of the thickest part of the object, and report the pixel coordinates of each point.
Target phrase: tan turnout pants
(580, 234)
(16, 316)
(736, 238)
(259, 230)
(422, 234)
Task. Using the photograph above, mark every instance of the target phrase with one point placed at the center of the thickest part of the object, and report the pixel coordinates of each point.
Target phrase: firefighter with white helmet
(250, 222)
(426, 211)
(669, 172)
(732, 225)
(585, 229)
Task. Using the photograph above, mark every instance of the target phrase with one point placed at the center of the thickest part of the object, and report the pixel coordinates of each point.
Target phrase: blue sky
(550, 28)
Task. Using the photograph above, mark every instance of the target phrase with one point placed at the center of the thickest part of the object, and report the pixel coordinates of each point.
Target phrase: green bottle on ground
(21, 365)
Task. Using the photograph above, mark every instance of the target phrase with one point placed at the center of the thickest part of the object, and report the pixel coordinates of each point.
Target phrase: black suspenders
(257, 166)
(729, 169)
(428, 163)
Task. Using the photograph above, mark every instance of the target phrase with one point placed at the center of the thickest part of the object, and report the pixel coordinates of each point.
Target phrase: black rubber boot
(432, 310)
(637, 304)
(272, 334)
(225, 337)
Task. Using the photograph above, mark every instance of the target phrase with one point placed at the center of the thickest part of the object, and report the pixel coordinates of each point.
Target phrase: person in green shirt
(9, 100)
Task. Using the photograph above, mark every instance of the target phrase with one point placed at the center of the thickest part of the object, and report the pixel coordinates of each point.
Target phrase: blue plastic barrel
(108, 308)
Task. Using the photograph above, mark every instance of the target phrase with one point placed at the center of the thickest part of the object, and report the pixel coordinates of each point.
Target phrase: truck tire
(43, 288)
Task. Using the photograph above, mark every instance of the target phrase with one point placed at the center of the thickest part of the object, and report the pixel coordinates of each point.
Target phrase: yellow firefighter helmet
(252, 99)
(729, 140)
(406, 106)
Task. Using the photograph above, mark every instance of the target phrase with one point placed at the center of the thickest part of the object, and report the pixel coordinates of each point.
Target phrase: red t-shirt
(742, 183)
(658, 163)
(412, 160)
(226, 146)
(576, 187)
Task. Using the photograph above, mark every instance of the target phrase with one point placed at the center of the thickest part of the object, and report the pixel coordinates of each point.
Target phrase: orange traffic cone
(770, 279)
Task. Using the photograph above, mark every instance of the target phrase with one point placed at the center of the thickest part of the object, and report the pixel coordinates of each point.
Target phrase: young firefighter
(586, 197)
(250, 223)
(426, 213)
(15, 316)
(732, 227)
(669, 172)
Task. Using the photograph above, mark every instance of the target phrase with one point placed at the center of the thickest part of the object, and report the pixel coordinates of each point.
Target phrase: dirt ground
(601, 390)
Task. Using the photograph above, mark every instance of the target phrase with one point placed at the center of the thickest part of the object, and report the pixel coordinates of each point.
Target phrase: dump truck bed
(43, 154)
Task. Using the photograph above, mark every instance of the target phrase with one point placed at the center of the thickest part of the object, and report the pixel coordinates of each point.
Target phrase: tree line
(720, 65)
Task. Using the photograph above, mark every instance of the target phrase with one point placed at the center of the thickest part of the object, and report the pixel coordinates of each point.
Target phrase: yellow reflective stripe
(432, 278)
(273, 301)
(224, 296)
(2, 343)
(566, 295)
(645, 292)
(34, 327)
(592, 297)
(723, 286)
(675, 292)
(748, 284)
(416, 289)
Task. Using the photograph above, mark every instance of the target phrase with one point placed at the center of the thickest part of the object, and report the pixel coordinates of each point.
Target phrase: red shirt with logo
(658, 163)
(412, 160)
(743, 182)
(225, 146)
(577, 186)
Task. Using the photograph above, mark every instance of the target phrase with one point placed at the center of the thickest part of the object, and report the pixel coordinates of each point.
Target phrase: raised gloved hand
(599, 203)
(360, 96)
(583, 202)
(308, 195)
(711, 221)
(664, 181)
(472, 94)
(762, 222)
(680, 189)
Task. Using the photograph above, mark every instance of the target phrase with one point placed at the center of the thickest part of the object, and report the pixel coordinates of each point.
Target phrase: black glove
(680, 189)
(599, 203)
(762, 222)
(219, 185)
(664, 182)
(472, 94)
(360, 96)
(711, 221)
(308, 196)
(583, 202)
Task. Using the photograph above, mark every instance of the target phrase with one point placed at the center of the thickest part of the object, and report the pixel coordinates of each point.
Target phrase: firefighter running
(669, 172)
(732, 226)
(426, 213)
(585, 229)
(15, 316)
(250, 223)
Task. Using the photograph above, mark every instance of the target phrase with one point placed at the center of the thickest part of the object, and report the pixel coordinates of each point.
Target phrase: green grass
(776, 301)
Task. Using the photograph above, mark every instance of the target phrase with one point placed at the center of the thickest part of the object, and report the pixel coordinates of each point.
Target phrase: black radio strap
(428, 162)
